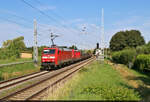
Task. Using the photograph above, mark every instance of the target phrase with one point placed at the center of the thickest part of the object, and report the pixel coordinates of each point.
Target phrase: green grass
(143, 79)
(96, 82)
(17, 70)
(140, 73)
(6, 61)
(14, 60)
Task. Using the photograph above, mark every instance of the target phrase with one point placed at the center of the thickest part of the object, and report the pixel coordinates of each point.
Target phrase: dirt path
(131, 79)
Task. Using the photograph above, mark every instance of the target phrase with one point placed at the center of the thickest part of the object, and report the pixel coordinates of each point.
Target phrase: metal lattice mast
(35, 43)
(102, 34)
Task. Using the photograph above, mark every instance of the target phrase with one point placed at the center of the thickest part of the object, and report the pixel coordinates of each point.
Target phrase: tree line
(123, 39)
(129, 48)
(11, 49)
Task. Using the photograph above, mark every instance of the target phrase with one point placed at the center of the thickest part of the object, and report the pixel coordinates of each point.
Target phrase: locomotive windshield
(49, 51)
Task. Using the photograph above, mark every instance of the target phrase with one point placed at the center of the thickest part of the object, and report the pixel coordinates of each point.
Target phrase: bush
(124, 57)
(142, 62)
(109, 92)
(12, 48)
(145, 49)
(7, 54)
(116, 57)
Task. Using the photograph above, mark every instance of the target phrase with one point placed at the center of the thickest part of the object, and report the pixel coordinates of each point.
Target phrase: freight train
(55, 57)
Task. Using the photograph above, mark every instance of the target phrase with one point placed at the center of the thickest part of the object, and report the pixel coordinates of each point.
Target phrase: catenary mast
(102, 35)
(35, 56)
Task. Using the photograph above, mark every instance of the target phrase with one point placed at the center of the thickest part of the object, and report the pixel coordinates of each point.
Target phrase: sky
(77, 22)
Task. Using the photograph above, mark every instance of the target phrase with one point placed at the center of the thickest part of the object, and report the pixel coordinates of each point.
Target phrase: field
(17, 70)
(15, 60)
(96, 82)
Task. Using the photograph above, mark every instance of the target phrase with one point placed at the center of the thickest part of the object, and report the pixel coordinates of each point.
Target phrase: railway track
(9, 86)
(48, 81)
(11, 82)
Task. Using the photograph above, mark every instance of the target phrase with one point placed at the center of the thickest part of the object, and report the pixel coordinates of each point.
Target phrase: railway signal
(97, 45)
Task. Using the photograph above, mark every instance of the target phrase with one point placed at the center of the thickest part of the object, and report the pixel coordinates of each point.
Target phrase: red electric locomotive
(55, 57)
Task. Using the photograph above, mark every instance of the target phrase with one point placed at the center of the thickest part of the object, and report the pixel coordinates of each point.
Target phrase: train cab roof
(62, 48)
(48, 48)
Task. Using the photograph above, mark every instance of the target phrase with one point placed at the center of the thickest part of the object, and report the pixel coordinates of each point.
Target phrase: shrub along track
(130, 78)
(36, 90)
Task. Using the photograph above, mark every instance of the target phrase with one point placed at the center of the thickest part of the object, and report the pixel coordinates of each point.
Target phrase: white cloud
(135, 22)
(144, 31)
(10, 31)
(68, 35)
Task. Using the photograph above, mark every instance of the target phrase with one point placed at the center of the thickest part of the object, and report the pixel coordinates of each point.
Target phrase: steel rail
(57, 81)
(37, 83)
(14, 82)
(17, 77)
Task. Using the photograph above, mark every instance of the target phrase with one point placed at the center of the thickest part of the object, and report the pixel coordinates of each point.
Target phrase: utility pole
(102, 35)
(35, 56)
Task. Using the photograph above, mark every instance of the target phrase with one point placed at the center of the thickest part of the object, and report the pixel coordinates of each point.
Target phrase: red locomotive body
(77, 55)
(49, 56)
(55, 56)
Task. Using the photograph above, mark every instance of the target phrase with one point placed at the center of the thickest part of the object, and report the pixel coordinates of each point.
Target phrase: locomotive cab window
(49, 51)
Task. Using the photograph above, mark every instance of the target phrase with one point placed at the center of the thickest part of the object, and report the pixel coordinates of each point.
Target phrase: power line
(48, 28)
(20, 17)
(11, 21)
(51, 10)
(43, 13)
(59, 16)
(49, 17)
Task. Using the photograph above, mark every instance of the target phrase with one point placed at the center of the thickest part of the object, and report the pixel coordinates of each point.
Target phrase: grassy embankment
(96, 82)
(15, 60)
(17, 70)
(142, 80)
(144, 83)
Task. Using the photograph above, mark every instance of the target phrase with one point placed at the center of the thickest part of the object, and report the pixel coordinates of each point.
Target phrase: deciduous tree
(123, 39)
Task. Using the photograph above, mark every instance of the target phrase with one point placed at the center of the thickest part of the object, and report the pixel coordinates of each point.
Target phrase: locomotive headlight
(52, 57)
(44, 57)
